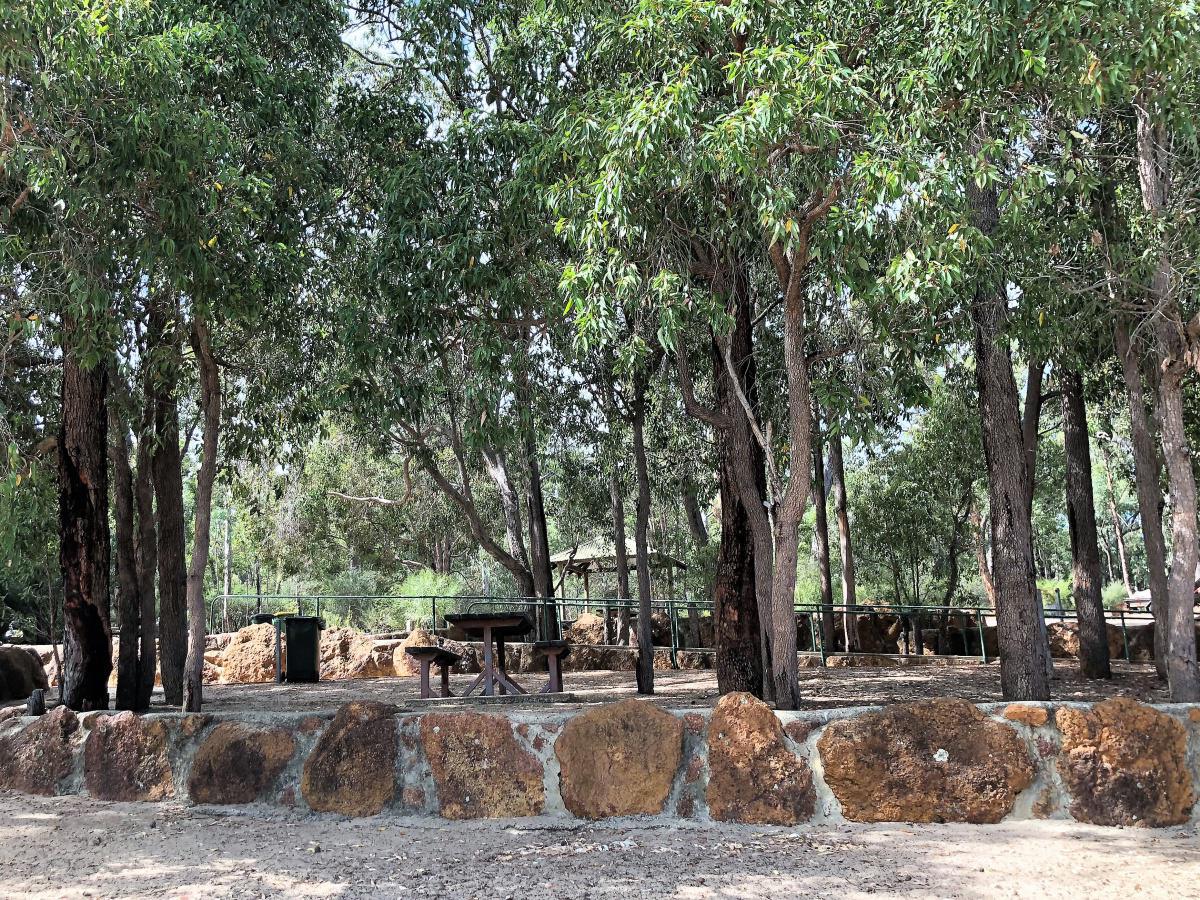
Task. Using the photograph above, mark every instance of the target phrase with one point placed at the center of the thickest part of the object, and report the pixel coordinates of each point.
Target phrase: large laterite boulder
(754, 776)
(1125, 763)
(352, 769)
(126, 757)
(480, 768)
(238, 763)
(619, 760)
(931, 761)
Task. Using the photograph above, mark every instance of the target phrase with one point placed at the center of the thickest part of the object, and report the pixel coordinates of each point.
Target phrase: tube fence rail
(685, 618)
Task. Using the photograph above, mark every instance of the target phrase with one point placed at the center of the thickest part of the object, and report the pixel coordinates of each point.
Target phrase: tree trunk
(1024, 653)
(1081, 521)
(741, 588)
(539, 541)
(129, 606)
(227, 559)
(645, 660)
(1118, 529)
(1148, 486)
(841, 509)
(821, 534)
(83, 530)
(1031, 418)
(695, 517)
(210, 406)
(1183, 677)
(1154, 176)
(497, 467)
(167, 468)
(147, 560)
(621, 557)
(981, 558)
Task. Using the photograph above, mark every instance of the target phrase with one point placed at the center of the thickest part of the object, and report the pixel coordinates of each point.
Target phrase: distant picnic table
(493, 628)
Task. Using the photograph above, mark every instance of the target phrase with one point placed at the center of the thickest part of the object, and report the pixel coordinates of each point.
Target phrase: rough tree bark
(821, 534)
(641, 538)
(841, 509)
(497, 468)
(83, 530)
(129, 605)
(210, 406)
(742, 653)
(167, 465)
(1154, 176)
(147, 559)
(1118, 526)
(621, 556)
(1081, 521)
(1148, 485)
(1024, 654)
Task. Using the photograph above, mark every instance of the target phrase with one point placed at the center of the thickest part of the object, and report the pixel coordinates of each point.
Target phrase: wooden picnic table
(493, 628)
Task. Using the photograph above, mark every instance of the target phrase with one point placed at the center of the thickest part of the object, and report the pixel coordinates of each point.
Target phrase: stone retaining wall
(1117, 762)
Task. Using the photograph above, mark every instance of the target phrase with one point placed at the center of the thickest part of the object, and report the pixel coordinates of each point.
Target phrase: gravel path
(72, 847)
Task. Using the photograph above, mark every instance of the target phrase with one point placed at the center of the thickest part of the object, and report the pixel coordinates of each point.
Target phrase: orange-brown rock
(212, 673)
(1125, 763)
(480, 768)
(753, 776)
(125, 758)
(250, 656)
(34, 760)
(695, 659)
(352, 768)
(346, 653)
(21, 673)
(1026, 714)
(402, 663)
(217, 642)
(660, 629)
(468, 653)
(586, 658)
(1064, 640)
(619, 760)
(587, 628)
(237, 763)
(931, 761)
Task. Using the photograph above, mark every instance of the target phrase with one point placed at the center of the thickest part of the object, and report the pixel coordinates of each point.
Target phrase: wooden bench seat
(555, 652)
(434, 656)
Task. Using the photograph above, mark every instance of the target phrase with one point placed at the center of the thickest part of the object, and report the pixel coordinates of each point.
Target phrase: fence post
(672, 612)
(824, 651)
(982, 639)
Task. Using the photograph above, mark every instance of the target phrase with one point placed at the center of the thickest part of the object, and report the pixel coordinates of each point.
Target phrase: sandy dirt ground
(821, 688)
(69, 847)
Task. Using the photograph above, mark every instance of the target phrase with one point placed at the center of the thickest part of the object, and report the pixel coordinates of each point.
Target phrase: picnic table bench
(555, 652)
(434, 656)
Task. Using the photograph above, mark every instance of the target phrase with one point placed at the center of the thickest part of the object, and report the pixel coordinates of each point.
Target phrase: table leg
(489, 671)
(500, 665)
(507, 685)
(473, 685)
(446, 682)
(426, 692)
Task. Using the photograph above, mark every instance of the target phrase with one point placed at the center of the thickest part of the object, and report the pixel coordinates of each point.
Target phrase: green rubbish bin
(303, 634)
(262, 618)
